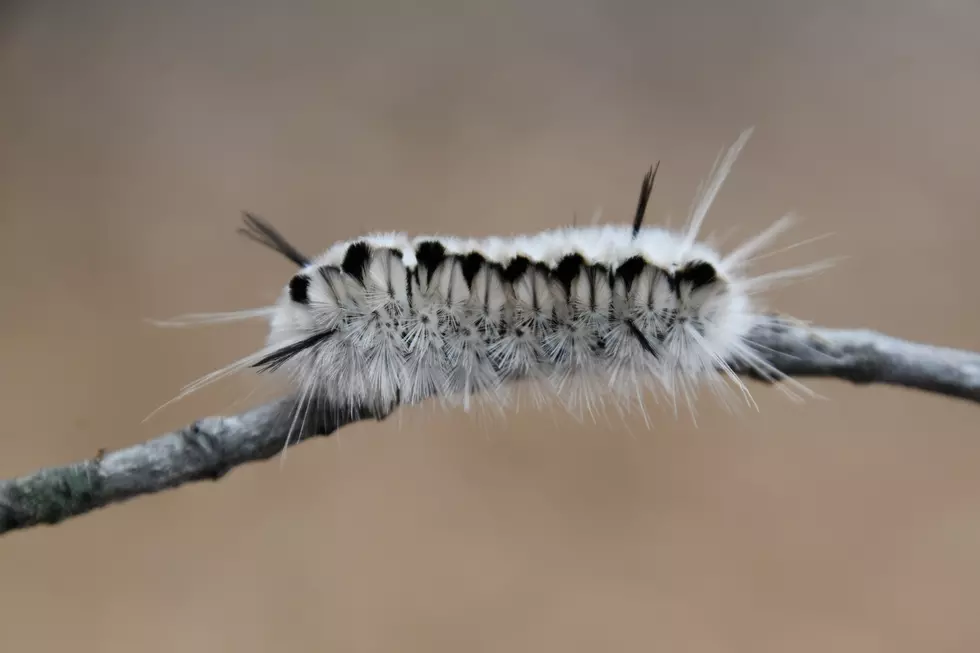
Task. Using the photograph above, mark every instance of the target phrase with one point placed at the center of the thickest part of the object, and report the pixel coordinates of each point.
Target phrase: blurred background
(133, 134)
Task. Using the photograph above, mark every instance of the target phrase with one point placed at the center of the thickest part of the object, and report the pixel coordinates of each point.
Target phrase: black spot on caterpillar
(356, 259)
(298, 288)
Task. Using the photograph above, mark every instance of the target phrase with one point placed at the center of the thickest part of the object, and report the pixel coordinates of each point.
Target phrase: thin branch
(867, 357)
(211, 447)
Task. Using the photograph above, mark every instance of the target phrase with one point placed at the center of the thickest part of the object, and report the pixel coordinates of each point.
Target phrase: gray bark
(211, 447)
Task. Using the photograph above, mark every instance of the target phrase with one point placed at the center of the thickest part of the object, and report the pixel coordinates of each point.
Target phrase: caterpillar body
(587, 314)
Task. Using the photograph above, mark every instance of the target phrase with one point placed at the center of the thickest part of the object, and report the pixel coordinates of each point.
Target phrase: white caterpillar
(588, 314)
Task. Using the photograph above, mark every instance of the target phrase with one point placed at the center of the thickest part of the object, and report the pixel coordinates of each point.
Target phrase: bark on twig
(210, 447)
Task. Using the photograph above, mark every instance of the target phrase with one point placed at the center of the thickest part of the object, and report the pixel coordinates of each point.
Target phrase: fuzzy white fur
(631, 317)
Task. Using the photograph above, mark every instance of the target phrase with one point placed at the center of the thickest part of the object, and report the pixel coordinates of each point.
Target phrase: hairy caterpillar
(583, 313)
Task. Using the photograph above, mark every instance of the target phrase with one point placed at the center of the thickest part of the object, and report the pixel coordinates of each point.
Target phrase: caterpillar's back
(586, 313)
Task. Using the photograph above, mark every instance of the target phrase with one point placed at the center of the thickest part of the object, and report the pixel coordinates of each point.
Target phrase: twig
(209, 448)
(865, 357)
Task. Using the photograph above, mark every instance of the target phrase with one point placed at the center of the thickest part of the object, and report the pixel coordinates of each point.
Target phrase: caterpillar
(590, 314)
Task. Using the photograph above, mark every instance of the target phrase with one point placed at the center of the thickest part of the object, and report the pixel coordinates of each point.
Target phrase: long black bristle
(264, 233)
(278, 358)
(645, 190)
(635, 330)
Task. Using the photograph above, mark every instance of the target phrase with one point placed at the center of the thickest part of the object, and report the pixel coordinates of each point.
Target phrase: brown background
(131, 134)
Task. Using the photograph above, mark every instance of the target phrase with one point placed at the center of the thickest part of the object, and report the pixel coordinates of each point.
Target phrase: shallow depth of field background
(132, 134)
